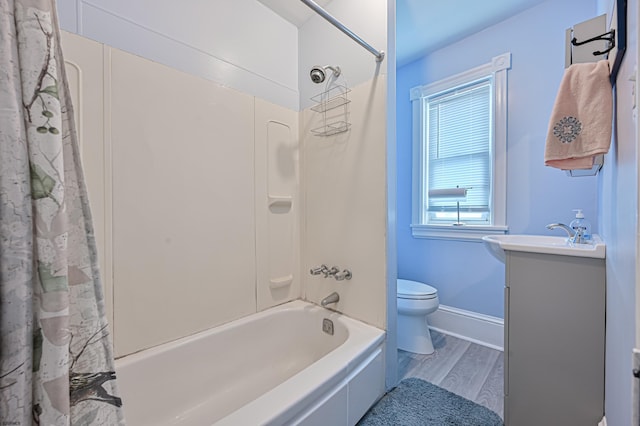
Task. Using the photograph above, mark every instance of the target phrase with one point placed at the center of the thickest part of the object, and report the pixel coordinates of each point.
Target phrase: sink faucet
(575, 237)
(332, 298)
(569, 231)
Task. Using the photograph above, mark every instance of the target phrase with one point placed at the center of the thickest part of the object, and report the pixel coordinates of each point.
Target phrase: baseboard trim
(603, 422)
(478, 328)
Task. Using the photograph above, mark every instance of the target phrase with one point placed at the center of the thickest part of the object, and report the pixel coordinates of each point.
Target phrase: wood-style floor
(470, 370)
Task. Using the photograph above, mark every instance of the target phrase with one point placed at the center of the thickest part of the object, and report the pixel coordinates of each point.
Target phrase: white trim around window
(498, 68)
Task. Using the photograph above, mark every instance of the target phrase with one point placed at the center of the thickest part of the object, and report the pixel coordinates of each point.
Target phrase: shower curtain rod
(320, 11)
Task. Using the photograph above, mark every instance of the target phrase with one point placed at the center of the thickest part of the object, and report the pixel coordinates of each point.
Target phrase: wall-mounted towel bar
(599, 38)
(609, 36)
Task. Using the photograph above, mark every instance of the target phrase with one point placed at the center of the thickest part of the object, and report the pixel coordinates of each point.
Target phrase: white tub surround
(244, 147)
(274, 367)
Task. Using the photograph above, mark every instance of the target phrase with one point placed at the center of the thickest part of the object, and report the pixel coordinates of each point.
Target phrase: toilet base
(413, 334)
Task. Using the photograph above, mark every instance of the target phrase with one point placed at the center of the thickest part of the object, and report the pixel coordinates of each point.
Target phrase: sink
(497, 244)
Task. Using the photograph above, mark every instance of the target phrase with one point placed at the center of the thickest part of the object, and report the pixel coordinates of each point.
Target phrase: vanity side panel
(555, 344)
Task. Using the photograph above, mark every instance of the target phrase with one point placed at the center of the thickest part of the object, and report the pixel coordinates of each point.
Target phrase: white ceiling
(423, 26)
(293, 11)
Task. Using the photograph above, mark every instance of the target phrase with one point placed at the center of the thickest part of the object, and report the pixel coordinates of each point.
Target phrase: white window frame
(498, 68)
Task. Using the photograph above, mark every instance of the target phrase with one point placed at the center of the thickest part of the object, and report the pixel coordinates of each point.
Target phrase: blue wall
(619, 227)
(465, 275)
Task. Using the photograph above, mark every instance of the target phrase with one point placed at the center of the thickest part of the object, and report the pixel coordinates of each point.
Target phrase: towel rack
(609, 36)
(621, 24)
(616, 38)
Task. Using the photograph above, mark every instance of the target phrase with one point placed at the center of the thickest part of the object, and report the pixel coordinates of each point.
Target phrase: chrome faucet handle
(331, 272)
(344, 275)
(578, 237)
(322, 269)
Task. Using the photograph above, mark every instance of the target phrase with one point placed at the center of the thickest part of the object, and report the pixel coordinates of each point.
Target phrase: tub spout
(332, 298)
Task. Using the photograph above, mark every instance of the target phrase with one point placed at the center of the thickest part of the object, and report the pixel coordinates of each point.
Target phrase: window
(458, 139)
(460, 154)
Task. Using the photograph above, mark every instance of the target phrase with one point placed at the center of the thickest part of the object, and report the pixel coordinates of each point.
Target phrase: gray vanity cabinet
(554, 340)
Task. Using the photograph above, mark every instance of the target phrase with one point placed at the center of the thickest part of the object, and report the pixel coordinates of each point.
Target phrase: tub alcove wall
(344, 176)
(210, 196)
(178, 240)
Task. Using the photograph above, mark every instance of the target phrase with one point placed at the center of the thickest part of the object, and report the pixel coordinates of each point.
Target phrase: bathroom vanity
(554, 333)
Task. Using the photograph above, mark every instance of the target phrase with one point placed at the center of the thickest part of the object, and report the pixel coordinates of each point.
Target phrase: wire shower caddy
(333, 105)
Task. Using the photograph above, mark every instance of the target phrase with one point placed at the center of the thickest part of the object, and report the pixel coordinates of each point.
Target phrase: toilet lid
(414, 290)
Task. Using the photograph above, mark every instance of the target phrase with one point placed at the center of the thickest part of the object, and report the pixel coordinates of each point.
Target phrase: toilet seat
(414, 290)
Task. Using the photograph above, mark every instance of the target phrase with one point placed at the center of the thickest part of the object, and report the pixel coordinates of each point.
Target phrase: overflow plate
(327, 326)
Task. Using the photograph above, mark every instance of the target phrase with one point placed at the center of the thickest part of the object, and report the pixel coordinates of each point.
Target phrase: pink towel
(580, 124)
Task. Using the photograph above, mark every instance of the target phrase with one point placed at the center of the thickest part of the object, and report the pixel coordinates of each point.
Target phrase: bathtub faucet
(322, 269)
(344, 275)
(332, 298)
(332, 272)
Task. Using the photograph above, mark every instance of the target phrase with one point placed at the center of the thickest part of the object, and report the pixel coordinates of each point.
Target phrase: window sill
(457, 233)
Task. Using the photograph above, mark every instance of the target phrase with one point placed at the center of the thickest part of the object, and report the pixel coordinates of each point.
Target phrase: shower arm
(320, 11)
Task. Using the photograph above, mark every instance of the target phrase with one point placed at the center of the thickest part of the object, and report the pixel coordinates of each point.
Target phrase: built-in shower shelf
(280, 203)
(333, 105)
(281, 282)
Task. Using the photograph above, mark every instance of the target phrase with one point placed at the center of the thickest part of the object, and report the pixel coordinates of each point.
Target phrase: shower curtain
(56, 361)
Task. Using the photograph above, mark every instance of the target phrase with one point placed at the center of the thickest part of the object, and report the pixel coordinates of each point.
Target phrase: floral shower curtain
(56, 361)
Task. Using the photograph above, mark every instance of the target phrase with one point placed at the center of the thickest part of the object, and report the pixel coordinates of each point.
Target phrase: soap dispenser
(581, 222)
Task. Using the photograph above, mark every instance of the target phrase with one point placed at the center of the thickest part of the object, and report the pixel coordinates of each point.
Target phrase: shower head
(318, 73)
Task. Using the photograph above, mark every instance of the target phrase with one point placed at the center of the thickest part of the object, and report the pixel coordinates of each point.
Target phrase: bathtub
(275, 367)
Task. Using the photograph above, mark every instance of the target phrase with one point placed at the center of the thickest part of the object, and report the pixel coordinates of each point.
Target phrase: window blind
(459, 150)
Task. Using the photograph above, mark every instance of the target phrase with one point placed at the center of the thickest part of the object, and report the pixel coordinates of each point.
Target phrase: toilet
(415, 301)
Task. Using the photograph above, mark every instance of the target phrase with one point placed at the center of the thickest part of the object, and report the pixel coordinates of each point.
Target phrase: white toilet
(415, 301)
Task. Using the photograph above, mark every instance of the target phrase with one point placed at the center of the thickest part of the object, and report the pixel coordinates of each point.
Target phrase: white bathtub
(275, 367)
